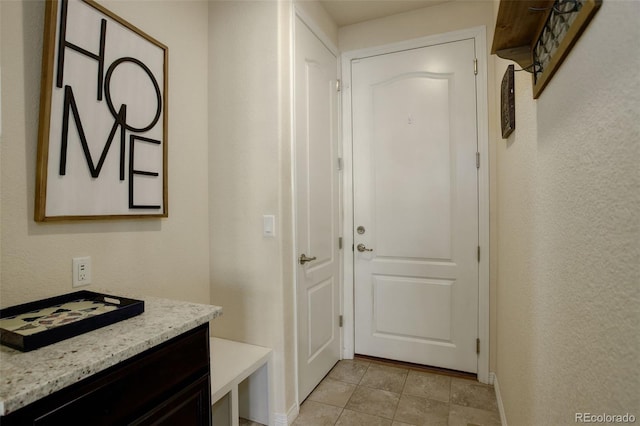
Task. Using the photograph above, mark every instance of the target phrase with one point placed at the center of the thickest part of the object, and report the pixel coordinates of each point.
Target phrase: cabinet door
(188, 407)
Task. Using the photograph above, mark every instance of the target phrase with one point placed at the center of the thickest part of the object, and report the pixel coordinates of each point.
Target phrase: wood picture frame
(542, 75)
(507, 103)
(102, 139)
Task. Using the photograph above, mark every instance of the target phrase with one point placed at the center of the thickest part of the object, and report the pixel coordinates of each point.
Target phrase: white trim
(483, 204)
(294, 234)
(478, 34)
(293, 412)
(341, 174)
(348, 331)
(492, 378)
(281, 419)
(496, 387)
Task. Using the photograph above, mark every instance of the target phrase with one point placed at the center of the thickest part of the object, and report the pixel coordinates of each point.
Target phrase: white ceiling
(347, 12)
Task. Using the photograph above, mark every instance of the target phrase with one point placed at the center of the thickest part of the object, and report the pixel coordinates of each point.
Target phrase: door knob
(361, 248)
(304, 259)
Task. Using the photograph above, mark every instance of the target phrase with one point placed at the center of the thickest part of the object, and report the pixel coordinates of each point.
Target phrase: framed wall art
(507, 103)
(565, 22)
(102, 141)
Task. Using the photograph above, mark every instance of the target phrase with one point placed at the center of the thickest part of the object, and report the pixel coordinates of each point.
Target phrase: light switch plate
(269, 225)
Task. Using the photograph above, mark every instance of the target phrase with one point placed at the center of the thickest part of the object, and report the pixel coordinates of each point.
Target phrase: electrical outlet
(81, 271)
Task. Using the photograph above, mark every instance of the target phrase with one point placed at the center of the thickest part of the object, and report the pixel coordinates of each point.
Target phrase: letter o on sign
(107, 92)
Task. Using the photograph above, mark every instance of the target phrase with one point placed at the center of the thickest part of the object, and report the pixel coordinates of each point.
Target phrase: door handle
(304, 259)
(362, 248)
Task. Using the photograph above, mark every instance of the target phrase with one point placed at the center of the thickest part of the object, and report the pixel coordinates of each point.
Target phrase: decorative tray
(35, 324)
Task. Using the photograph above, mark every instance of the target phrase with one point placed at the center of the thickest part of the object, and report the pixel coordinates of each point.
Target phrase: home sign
(102, 142)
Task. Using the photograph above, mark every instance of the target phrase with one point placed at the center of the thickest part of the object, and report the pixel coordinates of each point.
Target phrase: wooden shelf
(517, 27)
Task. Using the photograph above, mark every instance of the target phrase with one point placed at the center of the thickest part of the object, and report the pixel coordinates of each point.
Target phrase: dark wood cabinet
(169, 384)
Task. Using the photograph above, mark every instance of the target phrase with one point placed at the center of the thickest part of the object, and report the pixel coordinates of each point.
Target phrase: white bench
(240, 375)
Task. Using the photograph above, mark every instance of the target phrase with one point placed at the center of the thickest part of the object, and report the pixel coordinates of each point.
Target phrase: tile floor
(371, 393)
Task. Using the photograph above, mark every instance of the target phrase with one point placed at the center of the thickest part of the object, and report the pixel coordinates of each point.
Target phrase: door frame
(298, 12)
(478, 34)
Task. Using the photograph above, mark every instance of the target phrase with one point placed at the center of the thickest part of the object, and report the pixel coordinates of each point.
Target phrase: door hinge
(339, 243)
(340, 321)
(477, 160)
(340, 164)
(478, 253)
(338, 85)
(477, 346)
(475, 66)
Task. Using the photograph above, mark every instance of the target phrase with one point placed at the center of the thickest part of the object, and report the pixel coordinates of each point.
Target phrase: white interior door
(415, 189)
(317, 209)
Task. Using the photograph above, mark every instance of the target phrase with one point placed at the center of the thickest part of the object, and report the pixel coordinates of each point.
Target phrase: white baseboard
(281, 419)
(492, 378)
(503, 417)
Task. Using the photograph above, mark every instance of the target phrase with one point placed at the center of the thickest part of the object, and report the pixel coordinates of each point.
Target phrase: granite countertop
(26, 377)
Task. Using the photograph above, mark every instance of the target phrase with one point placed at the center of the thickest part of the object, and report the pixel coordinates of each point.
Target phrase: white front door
(317, 209)
(415, 189)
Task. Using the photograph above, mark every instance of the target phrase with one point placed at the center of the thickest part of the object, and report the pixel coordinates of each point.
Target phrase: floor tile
(353, 418)
(374, 401)
(386, 378)
(463, 416)
(316, 414)
(332, 392)
(421, 411)
(469, 393)
(348, 370)
(370, 394)
(428, 385)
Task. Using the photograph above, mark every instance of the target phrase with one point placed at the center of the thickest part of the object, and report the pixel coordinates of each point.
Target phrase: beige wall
(321, 19)
(168, 257)
(441, 18)
(250, 176)
(568, 225)
(433, 20)
(252, 277)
